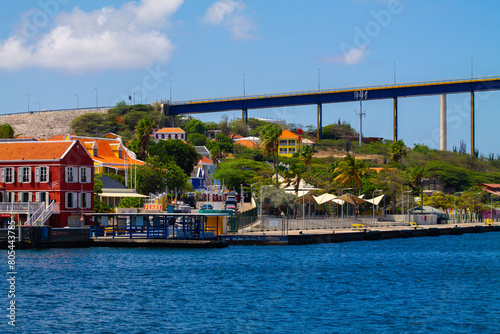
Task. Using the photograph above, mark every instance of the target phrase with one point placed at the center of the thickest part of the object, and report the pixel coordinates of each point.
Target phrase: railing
(309, 92)
(20, 207)
(35, 215)
(47, 213)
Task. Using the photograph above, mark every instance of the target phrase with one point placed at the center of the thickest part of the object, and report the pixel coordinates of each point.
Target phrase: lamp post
(342, 212)
(408, 204)
(455, 207)
(28, 95)
(96, 98)
(373, 206)
(474, 206)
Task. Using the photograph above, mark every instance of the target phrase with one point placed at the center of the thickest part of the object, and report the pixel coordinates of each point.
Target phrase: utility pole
(361, 95)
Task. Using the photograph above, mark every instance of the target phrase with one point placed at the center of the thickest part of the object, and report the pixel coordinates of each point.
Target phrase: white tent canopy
(376, 200)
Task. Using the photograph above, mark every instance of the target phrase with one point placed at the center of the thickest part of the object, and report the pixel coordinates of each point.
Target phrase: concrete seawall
(45, 124)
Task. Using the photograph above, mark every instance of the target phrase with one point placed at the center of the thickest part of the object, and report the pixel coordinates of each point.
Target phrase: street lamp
(454, 207)
(373, 204)
(96, 98)
(474, 206)
(408, 204)
(342, 212)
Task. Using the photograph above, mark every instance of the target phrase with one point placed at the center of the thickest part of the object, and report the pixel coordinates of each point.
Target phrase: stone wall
(45, 124)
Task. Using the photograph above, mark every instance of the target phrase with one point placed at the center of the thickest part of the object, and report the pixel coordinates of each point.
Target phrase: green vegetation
(6, 131)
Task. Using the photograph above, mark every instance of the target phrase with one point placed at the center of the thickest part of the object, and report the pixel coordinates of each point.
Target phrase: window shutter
(66, 169)
(48, 174)
(19, 197)
(30, 197)
(20, 174)
(47, 199)
(66, 200)
(89, 199)
(89, 174)
(29, 174)
(37, 197)
(2, 175)
(76, 175)
(37, 174)
(75, 200)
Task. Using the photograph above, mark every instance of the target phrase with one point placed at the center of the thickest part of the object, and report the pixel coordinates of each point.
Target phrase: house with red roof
(46, 183)
(289, 144)
(109, 154)
(169, 133)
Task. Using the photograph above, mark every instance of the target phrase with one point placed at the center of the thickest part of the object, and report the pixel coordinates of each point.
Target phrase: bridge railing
(320, 91)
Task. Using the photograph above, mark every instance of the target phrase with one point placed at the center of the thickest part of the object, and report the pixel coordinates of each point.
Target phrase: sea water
(446, 284)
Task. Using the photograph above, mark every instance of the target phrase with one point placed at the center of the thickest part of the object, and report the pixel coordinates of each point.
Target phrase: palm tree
(351, 172)
(397, 151)
(269, 141)
(142, 131)
(306, 154)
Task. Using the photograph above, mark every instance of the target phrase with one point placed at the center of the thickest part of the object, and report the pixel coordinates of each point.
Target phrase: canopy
(306, 197)
(351, 199)
(325, 198)
(376, 200)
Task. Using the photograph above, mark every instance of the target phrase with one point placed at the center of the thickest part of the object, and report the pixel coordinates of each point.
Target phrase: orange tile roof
(205, 160)
(247, 143)
(34, 150)
(288, 134)
(171, 130)
(57, 137)
(105, 154)
(235, 136)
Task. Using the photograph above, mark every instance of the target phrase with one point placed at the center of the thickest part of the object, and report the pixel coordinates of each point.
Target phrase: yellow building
(289, 144)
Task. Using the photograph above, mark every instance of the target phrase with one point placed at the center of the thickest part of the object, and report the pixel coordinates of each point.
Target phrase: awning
(121, 195)
(375, 200)
(351, 199)
(325, 198)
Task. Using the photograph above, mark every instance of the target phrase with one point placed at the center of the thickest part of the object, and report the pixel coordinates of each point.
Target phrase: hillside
(45, 124)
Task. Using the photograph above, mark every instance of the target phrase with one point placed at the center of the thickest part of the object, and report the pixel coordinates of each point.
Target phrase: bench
(413, 225)
(358, 226)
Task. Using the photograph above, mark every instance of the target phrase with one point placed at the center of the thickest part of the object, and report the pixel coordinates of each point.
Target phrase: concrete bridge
(351, 94)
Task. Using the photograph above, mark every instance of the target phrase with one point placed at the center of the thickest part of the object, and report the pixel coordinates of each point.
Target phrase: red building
(46, 182)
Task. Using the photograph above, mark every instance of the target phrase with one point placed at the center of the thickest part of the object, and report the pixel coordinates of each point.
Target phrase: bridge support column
(443, 123)
(395, 118)
(244, 116)
(472, 141)
(319, 132)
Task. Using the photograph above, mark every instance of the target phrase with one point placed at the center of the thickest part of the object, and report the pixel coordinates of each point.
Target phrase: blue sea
(446, 284)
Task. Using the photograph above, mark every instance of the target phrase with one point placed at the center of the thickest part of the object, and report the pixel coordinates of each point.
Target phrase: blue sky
(59, 53)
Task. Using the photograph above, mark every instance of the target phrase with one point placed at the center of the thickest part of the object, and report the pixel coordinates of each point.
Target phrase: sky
(59, 54)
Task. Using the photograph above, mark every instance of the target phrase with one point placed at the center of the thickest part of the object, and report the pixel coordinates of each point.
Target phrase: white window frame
(87, 172)
(39, 173)
(84, 198)
(291, 150)
(6, 174)
(283, 150)
(74, 200)
(283, 142)
(21, 176)
(73, 171)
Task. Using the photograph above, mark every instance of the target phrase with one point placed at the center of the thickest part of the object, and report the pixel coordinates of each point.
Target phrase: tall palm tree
(306, 155)
(269, 141)
(142, 131)
(351, 172)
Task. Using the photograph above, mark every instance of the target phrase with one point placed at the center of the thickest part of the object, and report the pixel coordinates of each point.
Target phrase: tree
(350, 172)
(6, 131)
(397, 151)
(142, 132)
(269, 141)
(173, 150)
(196, 139)
(295, 173)
(195, 126)
(93, 124)
(306, 155)
(280, 200)
(220, 147)
(130, 202)
(390, 181)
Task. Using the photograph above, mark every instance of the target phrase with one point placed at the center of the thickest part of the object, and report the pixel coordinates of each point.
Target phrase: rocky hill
(45, 124)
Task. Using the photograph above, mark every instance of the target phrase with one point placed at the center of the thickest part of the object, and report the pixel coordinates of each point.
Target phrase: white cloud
(228, 13)
(108, 38)
(349, 57)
